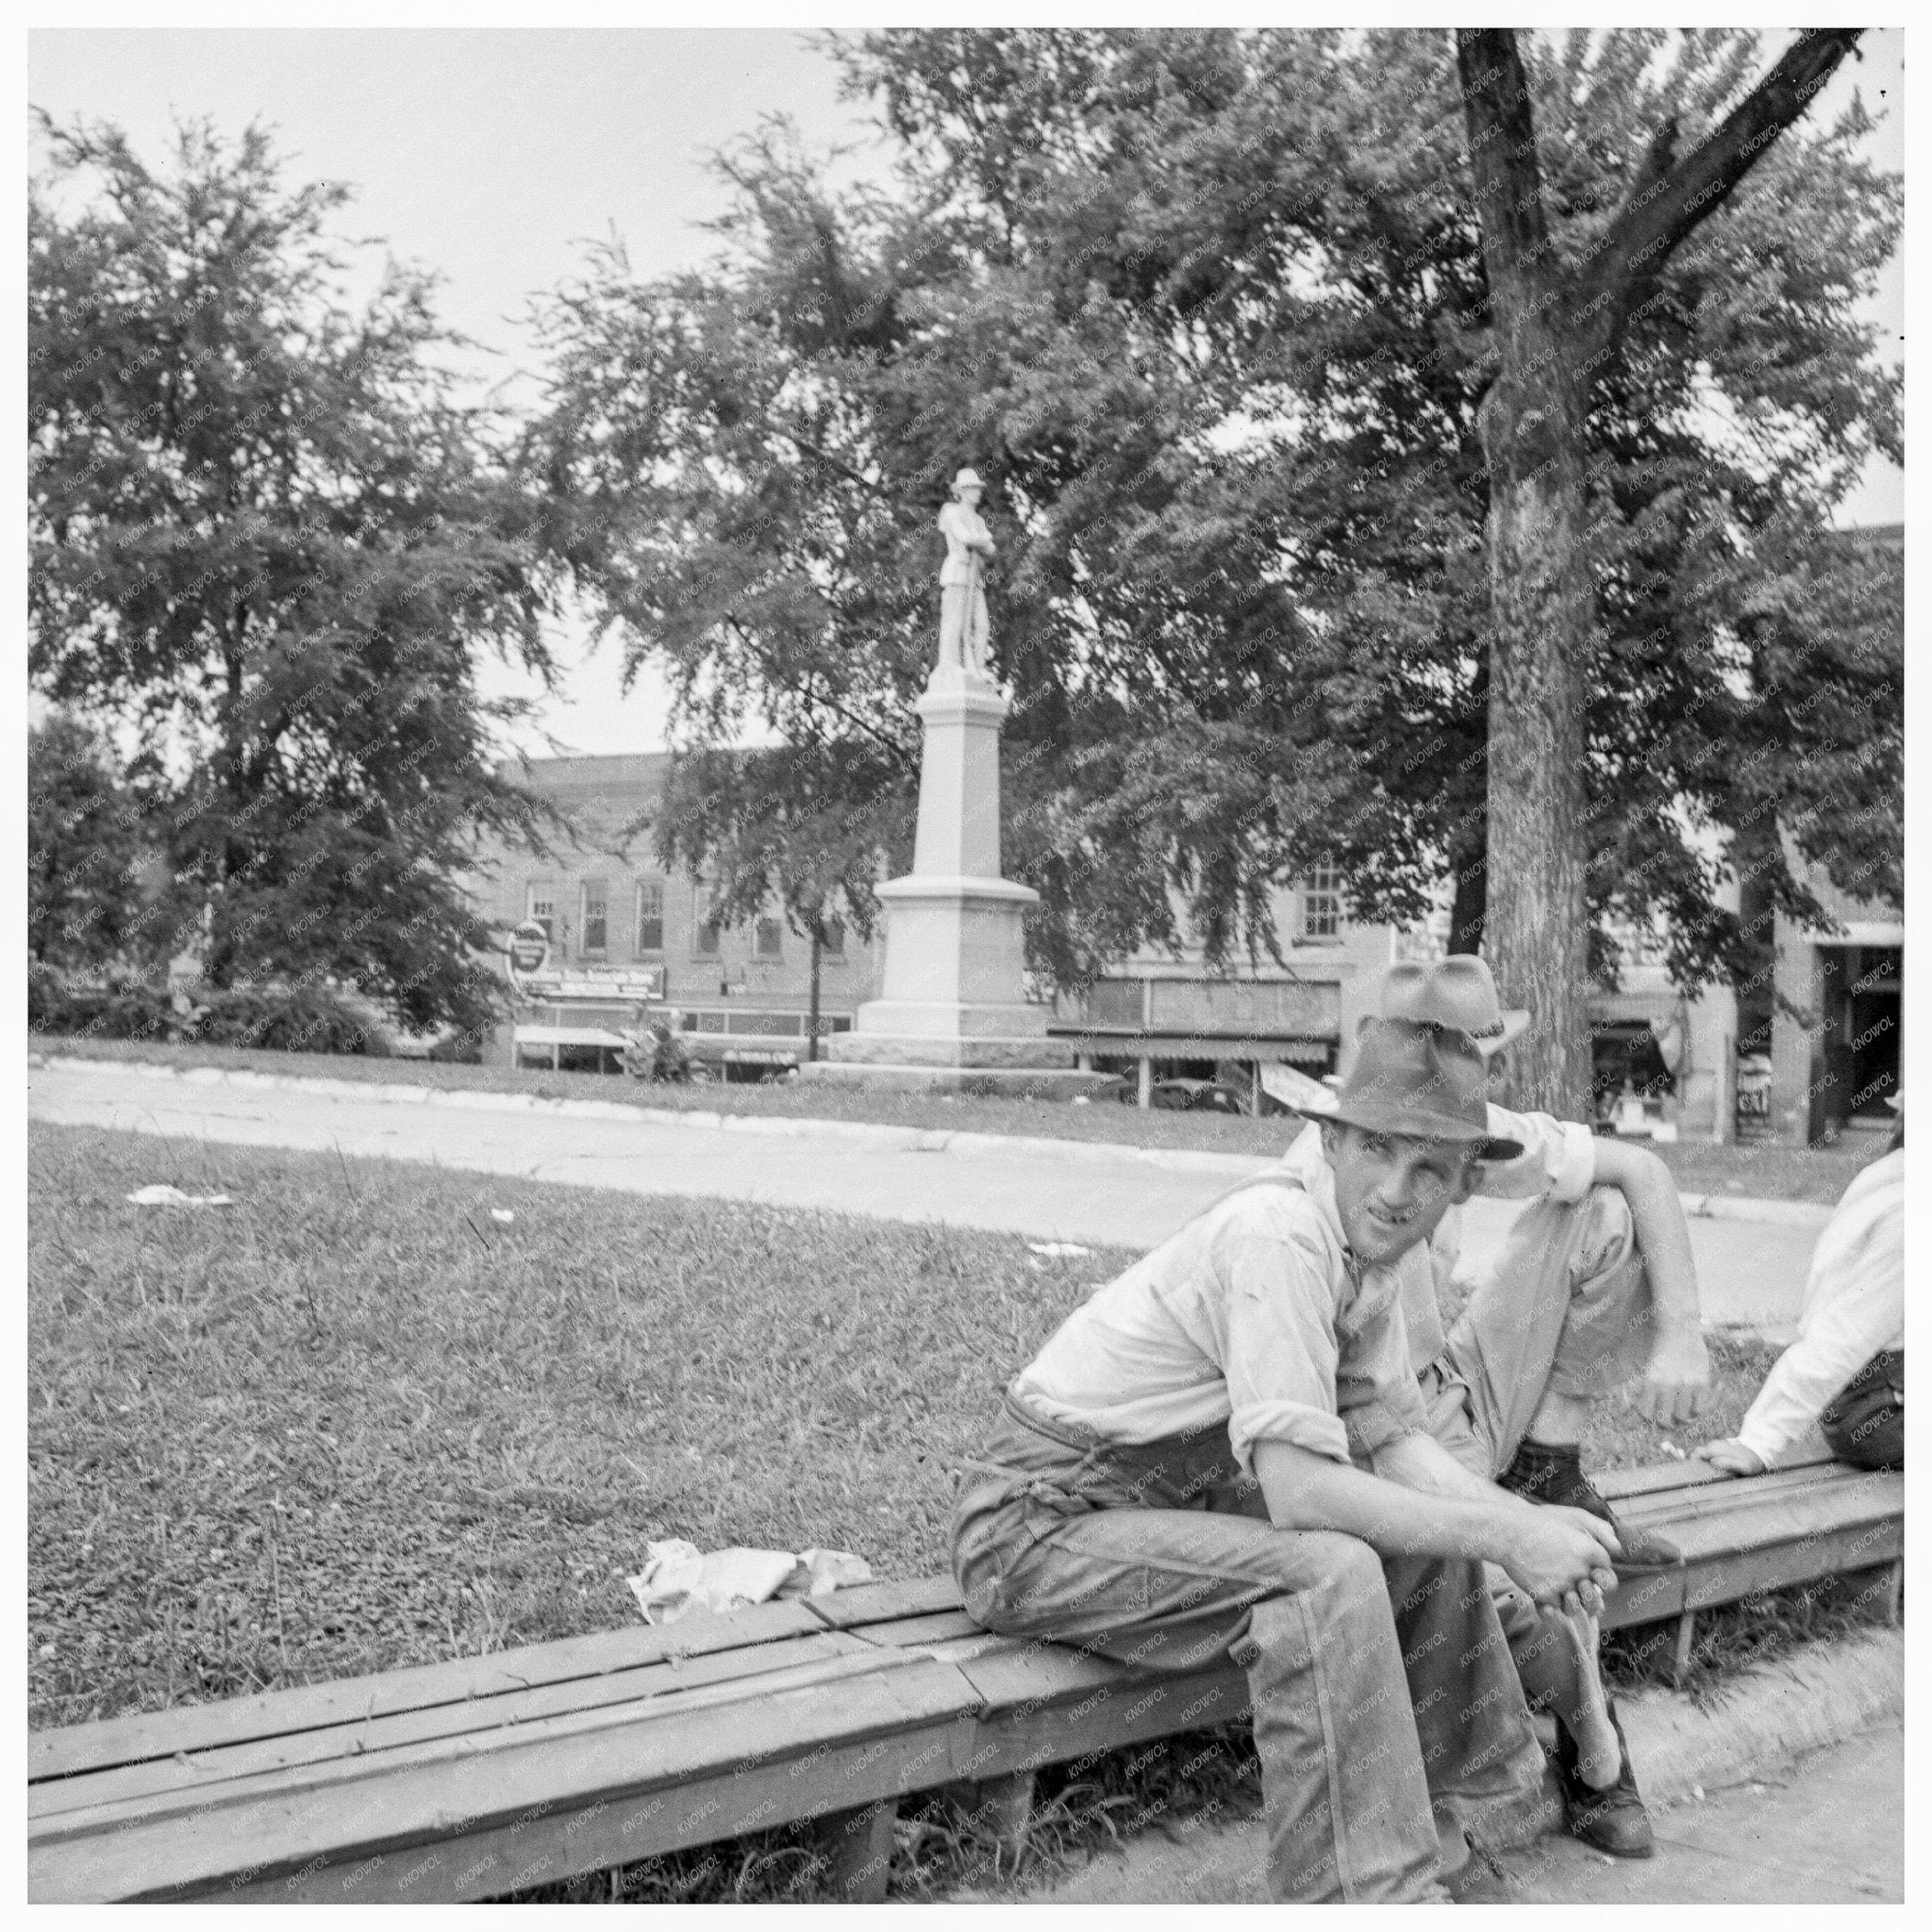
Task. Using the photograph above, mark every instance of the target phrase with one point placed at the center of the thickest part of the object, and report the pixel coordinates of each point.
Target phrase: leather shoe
(1613, 1820)
(1554, 1474)
(1483, 1881)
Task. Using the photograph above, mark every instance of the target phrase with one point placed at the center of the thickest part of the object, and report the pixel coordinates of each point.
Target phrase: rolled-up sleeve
(1281, 1352)
(1558, 1157)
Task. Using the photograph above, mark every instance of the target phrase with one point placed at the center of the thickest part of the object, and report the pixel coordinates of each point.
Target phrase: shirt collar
(1306, 1161)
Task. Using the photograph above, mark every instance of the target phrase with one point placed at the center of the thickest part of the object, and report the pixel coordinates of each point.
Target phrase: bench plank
(884, 1603)
(205, 1769)
(705, 1810)
(270, 1827)
(1614, 1485)
(70, 1748)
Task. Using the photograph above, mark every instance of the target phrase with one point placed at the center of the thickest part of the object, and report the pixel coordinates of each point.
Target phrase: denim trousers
(1567, 1307)
(1382, 1689)
(1566, 1310)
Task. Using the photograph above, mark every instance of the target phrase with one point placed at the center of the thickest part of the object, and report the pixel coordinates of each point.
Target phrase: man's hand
(1676, 1380)
(1562, 1556)
(1731, 1456)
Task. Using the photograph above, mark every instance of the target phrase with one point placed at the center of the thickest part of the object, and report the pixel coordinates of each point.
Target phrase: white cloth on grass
(678, 1578)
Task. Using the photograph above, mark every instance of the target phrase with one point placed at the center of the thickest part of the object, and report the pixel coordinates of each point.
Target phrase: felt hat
(1424, 1081)
(968, 479)
(1454, 991)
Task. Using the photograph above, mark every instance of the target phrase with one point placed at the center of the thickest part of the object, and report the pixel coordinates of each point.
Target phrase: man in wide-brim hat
(1595, 1285)
(1224, 1452)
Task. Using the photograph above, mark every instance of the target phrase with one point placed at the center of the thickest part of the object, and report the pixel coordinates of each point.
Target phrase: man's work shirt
(1855, 1305)
(1558, 1158)
(1254, 1314)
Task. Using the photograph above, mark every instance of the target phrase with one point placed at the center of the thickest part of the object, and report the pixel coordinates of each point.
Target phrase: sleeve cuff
(1375, 1425)
(1286, 1422)
(1576, 1164)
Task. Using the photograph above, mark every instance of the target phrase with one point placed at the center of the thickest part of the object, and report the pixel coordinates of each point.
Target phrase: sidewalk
(1750, 1271)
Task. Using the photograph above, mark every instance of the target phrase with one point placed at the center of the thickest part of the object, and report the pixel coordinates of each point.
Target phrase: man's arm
(1548, 1553)
(1677, 1384)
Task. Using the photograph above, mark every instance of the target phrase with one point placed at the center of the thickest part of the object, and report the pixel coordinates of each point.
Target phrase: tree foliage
(269, 542)
(86, 840)
(1209, 310)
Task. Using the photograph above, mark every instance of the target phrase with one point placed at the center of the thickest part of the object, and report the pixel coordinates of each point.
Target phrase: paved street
(1748, 1272)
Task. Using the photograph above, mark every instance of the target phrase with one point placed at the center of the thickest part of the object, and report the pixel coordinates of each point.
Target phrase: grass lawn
(353, 1423)
(1776, 1173)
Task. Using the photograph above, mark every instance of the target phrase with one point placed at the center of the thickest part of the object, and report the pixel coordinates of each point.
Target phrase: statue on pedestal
(964, 633)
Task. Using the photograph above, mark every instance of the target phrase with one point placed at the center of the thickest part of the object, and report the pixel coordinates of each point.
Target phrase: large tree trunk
(1536, 928)
(1469, 866)
(811, 1040)
(1549, 327)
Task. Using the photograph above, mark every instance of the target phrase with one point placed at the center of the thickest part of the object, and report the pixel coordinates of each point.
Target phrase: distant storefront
(629, 942)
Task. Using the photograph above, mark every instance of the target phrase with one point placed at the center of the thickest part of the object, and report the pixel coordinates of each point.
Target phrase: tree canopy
(85, 846)
(268, 541)
(1209, 310)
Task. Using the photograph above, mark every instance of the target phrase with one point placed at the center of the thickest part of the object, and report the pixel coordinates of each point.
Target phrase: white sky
(491, 154)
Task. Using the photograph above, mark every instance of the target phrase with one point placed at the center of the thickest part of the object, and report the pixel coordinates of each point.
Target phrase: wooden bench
(487, 1775)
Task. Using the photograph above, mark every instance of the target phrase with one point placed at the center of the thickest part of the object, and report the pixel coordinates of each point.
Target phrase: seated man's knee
(1607, 1233)
(1351, 1573)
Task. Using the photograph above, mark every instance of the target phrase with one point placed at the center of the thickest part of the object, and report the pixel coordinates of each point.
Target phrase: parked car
(1196, 1096)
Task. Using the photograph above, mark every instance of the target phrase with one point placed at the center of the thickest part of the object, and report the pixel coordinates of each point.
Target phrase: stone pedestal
(953, 1012)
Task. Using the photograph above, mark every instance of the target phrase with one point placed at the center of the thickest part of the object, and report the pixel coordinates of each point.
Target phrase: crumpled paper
(678, 1578)
(161, 1195)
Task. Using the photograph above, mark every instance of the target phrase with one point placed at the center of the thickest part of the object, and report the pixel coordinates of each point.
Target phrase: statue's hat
(969, 479)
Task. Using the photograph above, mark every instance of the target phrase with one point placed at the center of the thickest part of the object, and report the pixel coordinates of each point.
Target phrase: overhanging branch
(1503, 158)
(1667, 203)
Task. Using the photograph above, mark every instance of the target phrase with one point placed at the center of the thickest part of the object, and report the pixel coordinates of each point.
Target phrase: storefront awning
(568, 1036)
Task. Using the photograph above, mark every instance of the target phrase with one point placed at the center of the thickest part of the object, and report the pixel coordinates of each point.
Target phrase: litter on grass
(506, 1215)
(678, 1578)
(1058, 1248)
(161, 1195)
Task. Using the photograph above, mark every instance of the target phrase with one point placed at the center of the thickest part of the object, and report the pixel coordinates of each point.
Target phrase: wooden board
(72, 1748)
(939, 1627)
(1613, 1485)
(701, 1812)
(270, 1827)
(1048, 1707)
(883, 1602)
(205, 1769)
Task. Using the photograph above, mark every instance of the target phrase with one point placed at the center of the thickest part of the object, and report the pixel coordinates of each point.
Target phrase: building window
(771, 939)
(650, 918)
(596, 920)
(832, 937)
(541, 906)
(704, 928)
(1322, 904)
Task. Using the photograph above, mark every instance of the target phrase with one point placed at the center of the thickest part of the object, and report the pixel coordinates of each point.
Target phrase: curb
(1771, 1713)
(960, 1140)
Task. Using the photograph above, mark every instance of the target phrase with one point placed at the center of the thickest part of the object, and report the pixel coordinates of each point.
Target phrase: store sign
(529, 950)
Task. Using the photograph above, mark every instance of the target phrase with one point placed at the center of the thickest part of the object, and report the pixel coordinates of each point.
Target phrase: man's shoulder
(1274, 1208)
